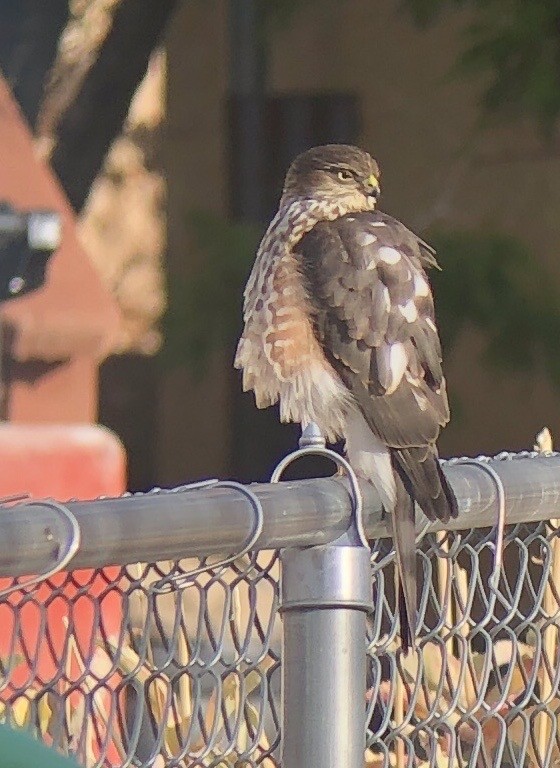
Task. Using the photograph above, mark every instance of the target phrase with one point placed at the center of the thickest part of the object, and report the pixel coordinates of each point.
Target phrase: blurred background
(160, 130)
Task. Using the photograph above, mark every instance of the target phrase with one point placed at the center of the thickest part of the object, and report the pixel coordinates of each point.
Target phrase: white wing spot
(409, 311)
(389, 255)
(430, 323)
(387, 299)
(398, 360)
(421, 287)
(365, 238)
(421, 400)
(377, 224)
(392, 361)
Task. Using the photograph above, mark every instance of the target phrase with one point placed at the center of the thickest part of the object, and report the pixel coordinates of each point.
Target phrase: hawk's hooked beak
(372, 187)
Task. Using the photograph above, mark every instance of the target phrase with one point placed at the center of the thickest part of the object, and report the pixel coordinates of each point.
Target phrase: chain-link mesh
(104, 666)
(484, 687)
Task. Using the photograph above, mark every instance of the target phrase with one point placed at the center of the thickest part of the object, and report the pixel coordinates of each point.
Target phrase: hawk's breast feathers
(280, 354)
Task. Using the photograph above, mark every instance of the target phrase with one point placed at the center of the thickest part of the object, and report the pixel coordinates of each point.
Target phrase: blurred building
(52, 341)
(54, 338)
(211, 128)
(417, 121)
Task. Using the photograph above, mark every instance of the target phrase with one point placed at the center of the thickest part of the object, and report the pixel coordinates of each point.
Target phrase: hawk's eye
(345, 175)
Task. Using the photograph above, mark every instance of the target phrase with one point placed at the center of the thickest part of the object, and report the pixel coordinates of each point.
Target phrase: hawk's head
(334, 171)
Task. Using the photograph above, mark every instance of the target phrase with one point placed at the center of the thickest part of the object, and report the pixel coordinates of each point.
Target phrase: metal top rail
(194, 521)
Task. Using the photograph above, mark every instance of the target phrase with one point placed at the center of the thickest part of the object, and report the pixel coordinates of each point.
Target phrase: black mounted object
(27, 241)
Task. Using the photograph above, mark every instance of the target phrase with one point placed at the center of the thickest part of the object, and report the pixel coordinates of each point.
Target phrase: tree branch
(95, 115)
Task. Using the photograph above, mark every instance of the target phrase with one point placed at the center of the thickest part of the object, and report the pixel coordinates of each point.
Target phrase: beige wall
(416, 122)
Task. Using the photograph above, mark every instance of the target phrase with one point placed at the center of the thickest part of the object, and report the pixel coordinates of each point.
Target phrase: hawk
(340, 330)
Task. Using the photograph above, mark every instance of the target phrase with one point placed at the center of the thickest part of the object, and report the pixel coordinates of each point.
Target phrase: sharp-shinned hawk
(340, 330)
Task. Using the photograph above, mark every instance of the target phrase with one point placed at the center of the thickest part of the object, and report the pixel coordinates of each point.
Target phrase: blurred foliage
(205, 308)
(517, 44)
(489, 281)
(492, 282)
(281, 13)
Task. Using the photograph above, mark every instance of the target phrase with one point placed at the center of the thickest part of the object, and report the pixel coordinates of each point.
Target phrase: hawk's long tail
(418, 477)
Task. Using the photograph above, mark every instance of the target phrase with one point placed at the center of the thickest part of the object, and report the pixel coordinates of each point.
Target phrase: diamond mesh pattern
(105, 667)
(101, 665)
(484, 687)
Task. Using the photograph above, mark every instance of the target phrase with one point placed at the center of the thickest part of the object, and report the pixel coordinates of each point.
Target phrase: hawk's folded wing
(374, 317)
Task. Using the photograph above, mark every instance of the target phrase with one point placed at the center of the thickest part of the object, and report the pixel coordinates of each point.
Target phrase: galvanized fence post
(325, 595)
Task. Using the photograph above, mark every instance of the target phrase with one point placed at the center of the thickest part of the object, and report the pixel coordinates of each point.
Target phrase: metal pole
(326, 594)
(194, 523)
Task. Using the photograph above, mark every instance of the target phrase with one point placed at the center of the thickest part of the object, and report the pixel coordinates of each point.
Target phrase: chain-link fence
(483, 689)
(159, 661)
(119, 674)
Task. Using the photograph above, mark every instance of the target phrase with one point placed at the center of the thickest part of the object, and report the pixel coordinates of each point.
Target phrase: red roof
(73, 314)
